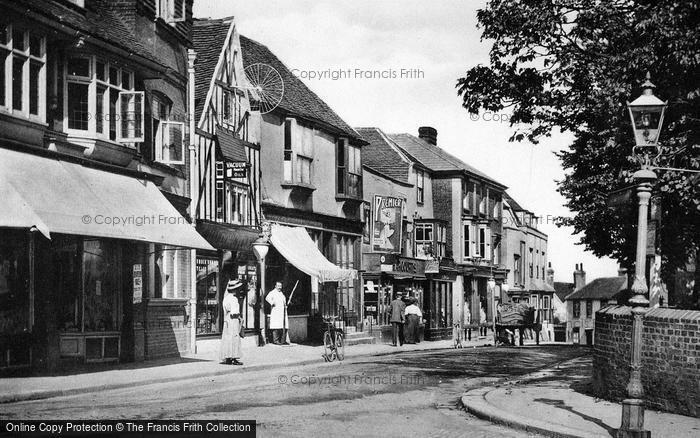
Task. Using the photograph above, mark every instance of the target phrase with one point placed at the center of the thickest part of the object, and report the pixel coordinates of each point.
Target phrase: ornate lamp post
(260, 248)
(647, 115)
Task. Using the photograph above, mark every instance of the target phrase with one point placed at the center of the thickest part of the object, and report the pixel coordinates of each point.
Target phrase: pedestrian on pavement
(278, 313)
(230, 350)
(398, 317)
(482, 320)
(413, 319)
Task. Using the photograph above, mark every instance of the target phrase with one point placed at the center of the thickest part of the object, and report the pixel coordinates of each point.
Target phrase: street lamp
(260, 247)
(647, 115)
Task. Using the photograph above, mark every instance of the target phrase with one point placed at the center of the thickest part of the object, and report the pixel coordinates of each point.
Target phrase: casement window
(100, 100)
(348, 169)
(237, 204)
(485, 243)
(230, 109)
(530, 262)
(420, 184)
(589, 309)
(172, 11)
(298, 153)
(22, 73)
(577, 309)
(468, 243)
(424, 239)
(167, 137)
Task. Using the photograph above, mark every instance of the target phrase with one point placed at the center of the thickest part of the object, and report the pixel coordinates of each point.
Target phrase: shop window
(22, 73)
(101, 285)
(14, 290)
(207, 296)
(577, 308)
(576, 335)
(420, 183)
(172, 11)
(65, 272)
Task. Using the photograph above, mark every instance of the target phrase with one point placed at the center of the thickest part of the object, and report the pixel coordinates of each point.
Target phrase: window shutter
(173, 142)
(131, 110)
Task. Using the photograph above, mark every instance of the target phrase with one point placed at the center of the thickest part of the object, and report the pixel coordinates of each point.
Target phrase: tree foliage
(572, 65)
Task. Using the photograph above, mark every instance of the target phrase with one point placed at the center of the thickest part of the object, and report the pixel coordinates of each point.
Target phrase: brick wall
(670, 357)
(442, 205)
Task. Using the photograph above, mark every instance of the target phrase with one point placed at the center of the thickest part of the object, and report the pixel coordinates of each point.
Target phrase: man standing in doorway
(278, 313)
(398, 308)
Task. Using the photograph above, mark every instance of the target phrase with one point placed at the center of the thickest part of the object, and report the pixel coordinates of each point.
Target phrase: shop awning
(399, 275)
(295, 245)
(232, 148)
(60, 196)
(228, 237)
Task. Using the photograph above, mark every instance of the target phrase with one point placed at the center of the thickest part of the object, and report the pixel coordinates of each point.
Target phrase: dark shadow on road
(562, 405)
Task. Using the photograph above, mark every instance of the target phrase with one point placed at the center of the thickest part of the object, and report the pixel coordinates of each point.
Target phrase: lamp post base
(633, 420)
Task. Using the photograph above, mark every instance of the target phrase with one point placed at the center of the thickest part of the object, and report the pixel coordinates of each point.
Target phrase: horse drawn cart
(512, 317)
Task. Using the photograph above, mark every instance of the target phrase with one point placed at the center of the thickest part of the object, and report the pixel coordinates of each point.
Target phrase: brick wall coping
(657, 312)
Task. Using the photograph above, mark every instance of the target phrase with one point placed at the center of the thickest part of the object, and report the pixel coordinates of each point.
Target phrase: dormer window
(172, 11)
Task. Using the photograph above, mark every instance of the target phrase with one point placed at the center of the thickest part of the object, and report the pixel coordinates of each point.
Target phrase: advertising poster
(386, 224)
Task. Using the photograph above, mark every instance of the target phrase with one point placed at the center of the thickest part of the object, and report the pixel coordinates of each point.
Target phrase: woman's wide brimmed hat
(233, 285)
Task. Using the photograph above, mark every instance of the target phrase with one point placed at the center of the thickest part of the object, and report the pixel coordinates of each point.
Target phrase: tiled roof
(298, 99)
(96, 20)
(563, 289)
(604, 288)
(208, 38)
(433, 157)
(513, 204)
(382, 156)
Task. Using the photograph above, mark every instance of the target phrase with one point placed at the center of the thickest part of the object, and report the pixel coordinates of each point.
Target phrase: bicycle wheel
(340, 346)
(328, 346)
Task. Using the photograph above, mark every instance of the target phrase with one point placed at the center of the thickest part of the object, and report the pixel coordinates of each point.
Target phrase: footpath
(553, 402)
(202, 364)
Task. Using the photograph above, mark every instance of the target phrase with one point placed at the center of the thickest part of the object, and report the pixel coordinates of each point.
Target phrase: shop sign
(386, 224)
(236, 169)
(432, 267)
(138, 283)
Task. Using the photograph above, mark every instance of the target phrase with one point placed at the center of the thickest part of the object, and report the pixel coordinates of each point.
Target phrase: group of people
(405, 320)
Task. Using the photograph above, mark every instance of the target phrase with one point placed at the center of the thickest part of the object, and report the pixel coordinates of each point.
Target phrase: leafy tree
(572, 65)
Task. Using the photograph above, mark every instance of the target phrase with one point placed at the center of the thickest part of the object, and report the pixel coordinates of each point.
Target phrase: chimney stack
(428, 133)
(579, 277)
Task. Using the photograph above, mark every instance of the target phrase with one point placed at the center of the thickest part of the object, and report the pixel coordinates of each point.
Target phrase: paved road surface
(405, 394)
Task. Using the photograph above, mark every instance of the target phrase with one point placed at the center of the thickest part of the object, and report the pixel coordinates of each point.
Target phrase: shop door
(589, 337)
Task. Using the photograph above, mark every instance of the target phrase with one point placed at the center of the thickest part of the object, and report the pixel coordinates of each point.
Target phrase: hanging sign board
(236, 169)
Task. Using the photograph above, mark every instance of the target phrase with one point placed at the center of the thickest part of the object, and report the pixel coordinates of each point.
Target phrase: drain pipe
(191, 57)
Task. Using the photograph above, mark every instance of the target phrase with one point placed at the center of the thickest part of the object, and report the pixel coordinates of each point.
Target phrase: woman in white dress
(230, 351)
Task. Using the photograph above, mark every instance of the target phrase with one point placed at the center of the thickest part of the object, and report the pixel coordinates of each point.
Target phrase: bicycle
(333, 341)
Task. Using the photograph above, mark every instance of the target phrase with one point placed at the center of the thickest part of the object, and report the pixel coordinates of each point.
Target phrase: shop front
(383, 276)
(232, 259)
(93, 263)
(440, 309)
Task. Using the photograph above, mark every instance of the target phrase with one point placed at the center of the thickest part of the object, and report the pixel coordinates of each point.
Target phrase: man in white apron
(278, 313)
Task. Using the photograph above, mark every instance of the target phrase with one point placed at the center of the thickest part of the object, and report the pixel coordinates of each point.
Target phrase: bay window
(22, 73)
(423, 239)
(100, 100)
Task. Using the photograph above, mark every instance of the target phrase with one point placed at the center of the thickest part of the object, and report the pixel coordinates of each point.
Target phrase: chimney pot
(428, 133)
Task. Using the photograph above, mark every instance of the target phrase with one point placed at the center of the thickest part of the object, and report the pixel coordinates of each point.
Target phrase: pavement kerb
(50, 393)
(474, 402)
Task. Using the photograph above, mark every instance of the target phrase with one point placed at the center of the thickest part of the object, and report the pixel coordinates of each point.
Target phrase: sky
(400, 60)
